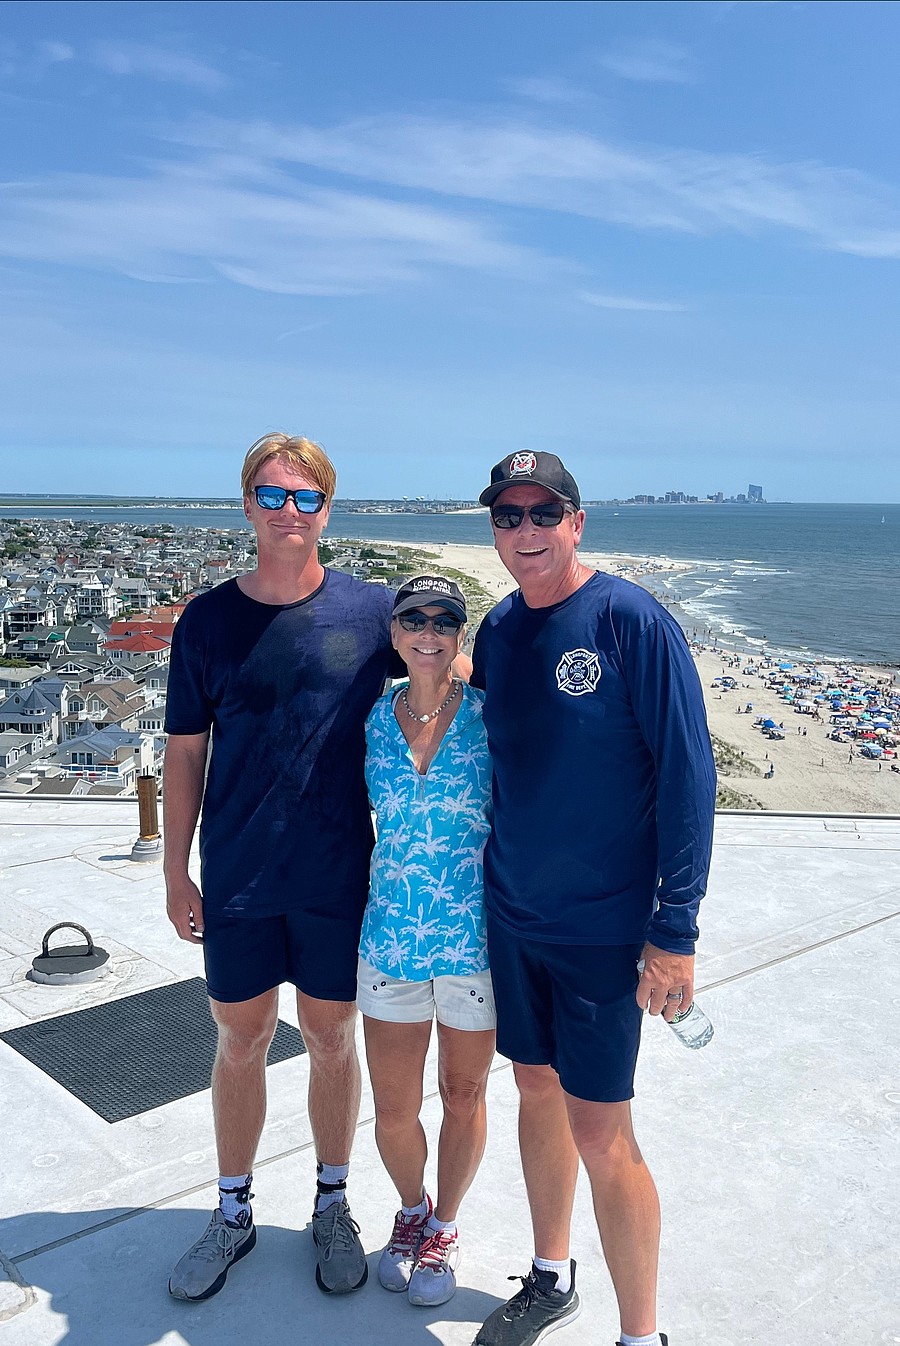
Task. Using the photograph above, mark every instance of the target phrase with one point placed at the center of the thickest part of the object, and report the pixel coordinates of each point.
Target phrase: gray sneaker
(202, 1271)
(341, 1262)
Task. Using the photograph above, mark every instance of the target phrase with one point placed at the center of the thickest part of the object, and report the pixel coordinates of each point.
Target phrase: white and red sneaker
(433, 1280)
(398, 1259)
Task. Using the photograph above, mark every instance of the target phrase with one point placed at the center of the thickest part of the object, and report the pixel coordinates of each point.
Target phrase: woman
(423, 951)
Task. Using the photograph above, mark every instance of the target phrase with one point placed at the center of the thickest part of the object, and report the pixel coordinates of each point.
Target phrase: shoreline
(485, 566)
(812, 773)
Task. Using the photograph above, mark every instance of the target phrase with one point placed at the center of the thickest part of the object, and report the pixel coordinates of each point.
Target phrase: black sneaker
(536, 1311)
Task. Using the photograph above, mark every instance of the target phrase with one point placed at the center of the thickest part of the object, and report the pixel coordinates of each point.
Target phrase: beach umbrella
(785, 665)
(768, 724)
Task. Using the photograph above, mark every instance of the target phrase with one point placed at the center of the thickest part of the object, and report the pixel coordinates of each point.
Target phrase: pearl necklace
(423, 719)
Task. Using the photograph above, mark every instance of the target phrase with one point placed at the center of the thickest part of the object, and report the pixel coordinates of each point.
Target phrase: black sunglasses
(442, 625)
(276, 497)
(548, 515)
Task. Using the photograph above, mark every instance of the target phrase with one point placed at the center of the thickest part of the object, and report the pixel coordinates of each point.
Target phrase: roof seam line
(798, 953)
(197, 1187)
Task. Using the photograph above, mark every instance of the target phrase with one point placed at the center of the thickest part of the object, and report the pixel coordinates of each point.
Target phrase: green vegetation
(730, 761)
(14, 663)
(727, 798)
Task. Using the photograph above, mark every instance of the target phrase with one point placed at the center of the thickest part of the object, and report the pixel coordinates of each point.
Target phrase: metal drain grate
(127, 1056)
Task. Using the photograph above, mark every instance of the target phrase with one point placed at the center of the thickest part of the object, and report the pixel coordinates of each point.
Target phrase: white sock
(437, 1225)
(423, 1208)
(563, 1272)
(331, 1184)
(234, 1198)
(652, 1340)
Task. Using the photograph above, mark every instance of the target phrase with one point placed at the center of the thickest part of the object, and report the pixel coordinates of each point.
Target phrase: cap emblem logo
(437, 586)
(577, 672)
(522, 464)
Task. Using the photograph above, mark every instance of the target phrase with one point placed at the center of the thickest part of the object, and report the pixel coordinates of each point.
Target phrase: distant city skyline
(661, 240)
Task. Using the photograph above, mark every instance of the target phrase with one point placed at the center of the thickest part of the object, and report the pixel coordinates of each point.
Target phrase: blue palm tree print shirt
(425, 914)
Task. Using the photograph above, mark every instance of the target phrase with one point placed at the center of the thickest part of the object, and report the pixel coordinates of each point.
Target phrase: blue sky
(661, 240)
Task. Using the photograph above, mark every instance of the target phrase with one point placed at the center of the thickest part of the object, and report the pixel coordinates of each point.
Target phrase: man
(280, 669)
(604, 791)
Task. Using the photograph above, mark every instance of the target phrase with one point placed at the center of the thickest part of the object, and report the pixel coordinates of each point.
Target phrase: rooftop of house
(143, 643)
(774, 1148)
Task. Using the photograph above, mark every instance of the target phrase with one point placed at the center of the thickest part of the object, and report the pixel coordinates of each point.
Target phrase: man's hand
(462, 667)
(184, 907)
(667, 982)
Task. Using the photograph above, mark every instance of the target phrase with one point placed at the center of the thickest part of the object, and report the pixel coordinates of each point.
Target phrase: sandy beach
(812, 773)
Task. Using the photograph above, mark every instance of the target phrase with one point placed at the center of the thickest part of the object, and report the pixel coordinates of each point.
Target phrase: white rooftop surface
(775, 1148)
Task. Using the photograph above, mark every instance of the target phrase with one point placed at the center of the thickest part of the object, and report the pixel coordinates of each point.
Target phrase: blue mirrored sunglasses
(276, 497)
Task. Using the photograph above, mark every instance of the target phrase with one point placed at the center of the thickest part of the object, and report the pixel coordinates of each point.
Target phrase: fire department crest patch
(577, 672)
(522, 464)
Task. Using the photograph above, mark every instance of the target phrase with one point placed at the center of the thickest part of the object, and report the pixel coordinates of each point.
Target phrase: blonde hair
(302, 454)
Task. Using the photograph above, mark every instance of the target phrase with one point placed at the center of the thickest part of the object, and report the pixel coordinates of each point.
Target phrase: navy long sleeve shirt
(604, 781)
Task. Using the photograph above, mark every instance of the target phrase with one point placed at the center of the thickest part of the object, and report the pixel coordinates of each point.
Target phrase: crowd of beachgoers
(835, 756)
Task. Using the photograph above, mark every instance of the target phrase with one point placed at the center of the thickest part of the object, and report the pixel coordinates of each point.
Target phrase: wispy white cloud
(299, 331)
(52, 53)
(159, 63)
(524, 164)
(121, 58)
(648, 60)
(33, 61)
(549, 89)
(223, 217)
(627, 304)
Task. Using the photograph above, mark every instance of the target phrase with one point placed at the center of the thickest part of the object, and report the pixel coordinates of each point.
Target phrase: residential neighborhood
(87, 613)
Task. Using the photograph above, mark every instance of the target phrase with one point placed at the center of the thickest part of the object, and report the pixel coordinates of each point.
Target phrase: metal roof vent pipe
(149, 844)
(69, 963)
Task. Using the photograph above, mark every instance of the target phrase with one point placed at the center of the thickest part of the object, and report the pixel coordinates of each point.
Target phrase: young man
(604, 791)
(279, 668)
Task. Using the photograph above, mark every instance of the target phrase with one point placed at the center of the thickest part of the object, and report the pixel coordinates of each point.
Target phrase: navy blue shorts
(569, 1006)
(248, 955)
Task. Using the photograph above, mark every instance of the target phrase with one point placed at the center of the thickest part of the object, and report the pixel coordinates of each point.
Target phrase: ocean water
(817, 580)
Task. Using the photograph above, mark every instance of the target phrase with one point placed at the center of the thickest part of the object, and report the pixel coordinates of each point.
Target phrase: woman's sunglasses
(548, 515)
(442, 625)
(276, 497)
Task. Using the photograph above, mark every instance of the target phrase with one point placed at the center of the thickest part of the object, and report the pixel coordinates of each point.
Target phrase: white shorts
(458, 1002)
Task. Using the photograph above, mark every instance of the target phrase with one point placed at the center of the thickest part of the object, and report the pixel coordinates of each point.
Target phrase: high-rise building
(755, 493)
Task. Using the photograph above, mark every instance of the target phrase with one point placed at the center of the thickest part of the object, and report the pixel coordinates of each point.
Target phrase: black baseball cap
(431, 591)
(532, 468)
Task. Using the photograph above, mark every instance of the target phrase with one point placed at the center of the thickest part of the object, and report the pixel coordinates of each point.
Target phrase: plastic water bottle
(692, 1026)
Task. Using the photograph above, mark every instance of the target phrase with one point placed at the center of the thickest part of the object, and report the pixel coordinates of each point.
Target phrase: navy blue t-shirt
(285, 691)
(604, 782)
